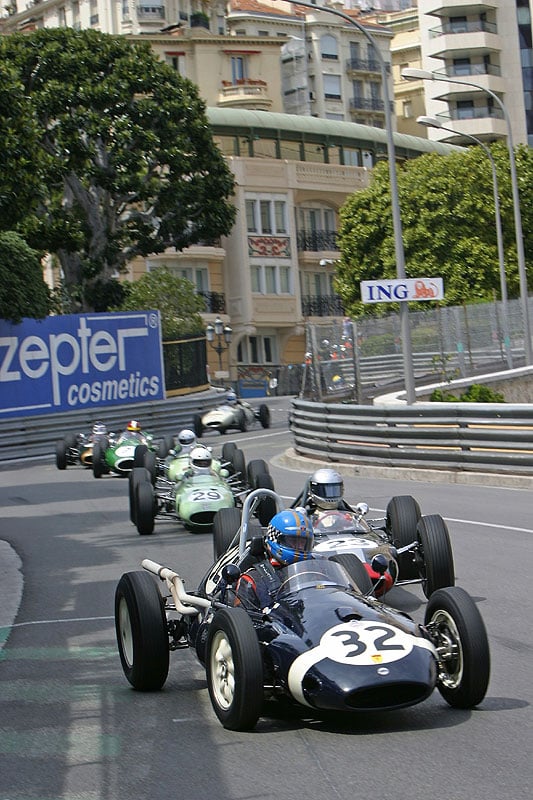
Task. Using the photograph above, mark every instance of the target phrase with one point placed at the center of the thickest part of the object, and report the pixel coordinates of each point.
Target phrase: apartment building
(475, 45)
(275, 271)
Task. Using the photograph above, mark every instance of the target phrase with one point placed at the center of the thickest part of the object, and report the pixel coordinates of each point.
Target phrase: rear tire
(150, 463)
(228, 448)
(141, 630)
(436, 557)
(257, 466)
(238, 464)
(242, 422)
(234, 669)
(457, 627)
(138, 456)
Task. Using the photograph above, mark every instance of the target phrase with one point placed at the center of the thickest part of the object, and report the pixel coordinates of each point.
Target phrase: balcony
(149, 12)
(362, 65)
(367, 104)
(322, 306)
(469, 70)
(245, 93)
(215, 302)
(474, 26)
(317, 241)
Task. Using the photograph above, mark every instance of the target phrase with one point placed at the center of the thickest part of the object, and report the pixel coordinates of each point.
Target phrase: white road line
(54, 621)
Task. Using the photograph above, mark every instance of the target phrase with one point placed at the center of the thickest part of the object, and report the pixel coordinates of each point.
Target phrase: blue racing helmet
(289, 537)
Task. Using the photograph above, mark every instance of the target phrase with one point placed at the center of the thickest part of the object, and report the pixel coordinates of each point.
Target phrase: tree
(174, 297)
(123, 148)
(448, 224)
(23, 292)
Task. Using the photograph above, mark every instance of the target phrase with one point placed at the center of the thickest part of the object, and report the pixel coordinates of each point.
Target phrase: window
(332, 87)
(270, 279)
(465, 109)
(177, 62)
(266, 215)
(329, 47)
(407, 109)
(461, 66)
(238, 69)
(257, 349)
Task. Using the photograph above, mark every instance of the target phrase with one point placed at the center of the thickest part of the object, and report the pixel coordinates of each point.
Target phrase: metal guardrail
(486, 437)
(30, 437)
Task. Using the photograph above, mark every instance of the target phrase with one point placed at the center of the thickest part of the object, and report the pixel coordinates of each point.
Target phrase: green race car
(117, 454)
(190, 489)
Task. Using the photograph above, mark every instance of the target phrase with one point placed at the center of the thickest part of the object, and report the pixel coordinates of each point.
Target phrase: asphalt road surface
(71, 728)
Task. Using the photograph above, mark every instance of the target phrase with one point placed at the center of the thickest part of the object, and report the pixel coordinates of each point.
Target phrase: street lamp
(412, 74)
(396, 220)
(431, 122)
(222, 333)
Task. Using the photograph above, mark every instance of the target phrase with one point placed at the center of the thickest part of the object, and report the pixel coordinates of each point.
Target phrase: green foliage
(477, 393)
(23, 292)
(124, 161)
(448, 227)
(173, 297)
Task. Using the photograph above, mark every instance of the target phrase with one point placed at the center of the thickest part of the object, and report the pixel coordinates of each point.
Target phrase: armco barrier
(483, 437)
(29, 437)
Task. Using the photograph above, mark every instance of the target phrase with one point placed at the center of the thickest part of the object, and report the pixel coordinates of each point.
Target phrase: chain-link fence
(348, 360)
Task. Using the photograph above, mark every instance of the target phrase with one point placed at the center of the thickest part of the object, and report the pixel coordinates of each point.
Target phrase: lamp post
(431, 122)
(222, 333)
(412, 74)
(396, 219)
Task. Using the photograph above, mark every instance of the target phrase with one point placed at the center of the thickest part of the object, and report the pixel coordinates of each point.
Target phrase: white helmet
(200, 459)
(326, 488)
(99, 429)
(186, 438)
(231, 398)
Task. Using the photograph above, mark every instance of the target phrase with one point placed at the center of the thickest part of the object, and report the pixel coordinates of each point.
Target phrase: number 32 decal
(355, 643)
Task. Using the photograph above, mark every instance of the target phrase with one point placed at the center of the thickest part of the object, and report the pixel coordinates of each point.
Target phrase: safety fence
(30, 437)
(483, 437)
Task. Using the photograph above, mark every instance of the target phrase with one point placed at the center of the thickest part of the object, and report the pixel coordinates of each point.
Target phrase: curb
(290, 459)
(11, 584)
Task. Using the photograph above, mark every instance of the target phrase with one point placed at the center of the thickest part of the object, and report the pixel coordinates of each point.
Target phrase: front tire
(355, 569)
(238, 463)
(226, 523)
(436, 558)
(234, 669)
(144, 508)
(458, 630)
(61, 454)
(99, 465)
(264, 416)
(141, 631)
(136, 476)
(198, 426)
(266, 508)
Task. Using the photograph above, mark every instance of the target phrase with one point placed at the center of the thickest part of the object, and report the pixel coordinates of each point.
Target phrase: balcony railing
(362, 65)
(475, 26)
(315, 241)
(215, 302)
(477, 112)
(148, 11)
(322, 306)
(456, 70)
(367, 104)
